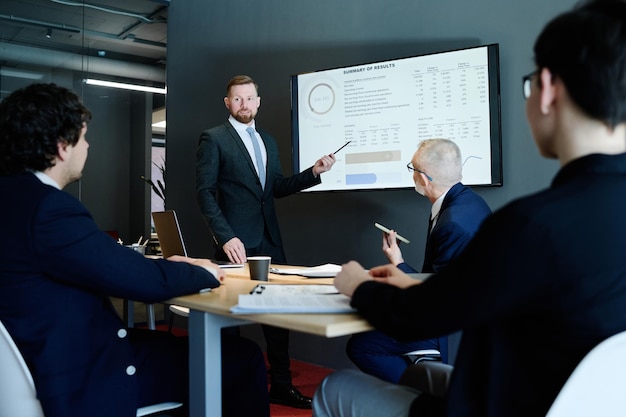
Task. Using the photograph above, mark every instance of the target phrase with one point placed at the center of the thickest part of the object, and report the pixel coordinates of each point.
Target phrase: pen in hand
(344, 145)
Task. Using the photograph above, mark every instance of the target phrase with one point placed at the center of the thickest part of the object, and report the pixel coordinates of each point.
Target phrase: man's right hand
(389, 274)
(391, 248)
(235, 250)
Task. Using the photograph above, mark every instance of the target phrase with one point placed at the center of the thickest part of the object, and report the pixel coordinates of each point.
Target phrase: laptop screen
(169, 234)
(171, 238)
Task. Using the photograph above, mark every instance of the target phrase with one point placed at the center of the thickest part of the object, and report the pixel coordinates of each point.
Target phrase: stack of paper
(321, 271)
(295, 289)
(265, 299)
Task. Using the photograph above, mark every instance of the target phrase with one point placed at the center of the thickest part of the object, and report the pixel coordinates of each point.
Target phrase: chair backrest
(597, 385)
(18, 397)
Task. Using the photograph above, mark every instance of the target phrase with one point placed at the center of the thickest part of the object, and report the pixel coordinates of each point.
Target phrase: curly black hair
(33, 120)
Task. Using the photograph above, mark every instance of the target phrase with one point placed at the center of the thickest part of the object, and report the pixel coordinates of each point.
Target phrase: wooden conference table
(210, 312)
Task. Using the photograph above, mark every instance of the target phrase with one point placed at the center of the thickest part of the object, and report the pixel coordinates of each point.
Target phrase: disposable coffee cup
(259, 267)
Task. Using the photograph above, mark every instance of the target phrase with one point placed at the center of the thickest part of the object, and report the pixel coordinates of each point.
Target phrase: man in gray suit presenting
(238, 175)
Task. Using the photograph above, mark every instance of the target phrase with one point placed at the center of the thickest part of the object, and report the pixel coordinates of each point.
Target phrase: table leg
(205, 362)
(150, 316)
(129, 312)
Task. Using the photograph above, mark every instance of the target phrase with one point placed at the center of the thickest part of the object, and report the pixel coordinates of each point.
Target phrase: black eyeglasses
(527, 84)
(411, 169)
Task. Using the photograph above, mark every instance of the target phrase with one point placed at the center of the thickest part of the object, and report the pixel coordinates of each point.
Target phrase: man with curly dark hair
(57, 271)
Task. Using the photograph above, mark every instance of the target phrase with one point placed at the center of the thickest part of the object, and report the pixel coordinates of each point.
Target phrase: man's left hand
(214, 269)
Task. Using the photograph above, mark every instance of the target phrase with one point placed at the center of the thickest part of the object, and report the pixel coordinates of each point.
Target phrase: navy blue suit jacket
(229, 192)
(461, 214)
(57, 271)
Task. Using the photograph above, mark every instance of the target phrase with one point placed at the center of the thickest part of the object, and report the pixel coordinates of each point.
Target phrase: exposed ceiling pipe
(124, 36)
(32, 22)
(92, 65)
(137, 16)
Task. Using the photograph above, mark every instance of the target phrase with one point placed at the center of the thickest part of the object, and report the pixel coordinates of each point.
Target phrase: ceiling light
(49, 33)
(8, 72)
(124, 86)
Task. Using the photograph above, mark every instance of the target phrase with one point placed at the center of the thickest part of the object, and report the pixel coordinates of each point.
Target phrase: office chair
(18, 396)
(441, 355)
(429, 369)
(428, 376)
(418, 356)
(176, 311)
(596, 387)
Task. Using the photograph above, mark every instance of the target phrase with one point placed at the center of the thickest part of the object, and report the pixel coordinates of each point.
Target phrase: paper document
(225, 264)
(321, 271)
(293, 299)
(295, 289)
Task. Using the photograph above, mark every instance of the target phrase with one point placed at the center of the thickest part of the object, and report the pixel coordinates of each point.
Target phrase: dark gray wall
(208, 42)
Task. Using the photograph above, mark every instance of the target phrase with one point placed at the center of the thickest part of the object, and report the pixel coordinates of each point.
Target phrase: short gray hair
(441, 159)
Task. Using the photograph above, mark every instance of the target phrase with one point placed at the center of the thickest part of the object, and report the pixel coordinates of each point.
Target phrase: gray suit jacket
(229, 192)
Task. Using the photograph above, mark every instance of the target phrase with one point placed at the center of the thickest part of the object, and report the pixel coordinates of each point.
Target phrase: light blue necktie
(257, 156)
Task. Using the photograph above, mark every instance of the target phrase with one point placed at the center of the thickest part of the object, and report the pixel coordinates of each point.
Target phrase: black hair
(33, 120)
(586, 49)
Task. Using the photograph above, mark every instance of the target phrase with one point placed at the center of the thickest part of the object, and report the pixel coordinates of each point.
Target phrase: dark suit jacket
(542, 282)
(57, 270)
(229, 192)
(461, 214)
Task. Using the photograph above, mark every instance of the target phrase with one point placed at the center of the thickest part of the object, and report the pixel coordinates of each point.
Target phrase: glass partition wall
(66, 43)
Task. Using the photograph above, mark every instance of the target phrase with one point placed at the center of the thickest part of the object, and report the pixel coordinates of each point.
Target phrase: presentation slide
(383, 110)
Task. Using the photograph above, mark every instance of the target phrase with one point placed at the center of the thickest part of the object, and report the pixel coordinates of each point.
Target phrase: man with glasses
(543, 281)
(456, 214)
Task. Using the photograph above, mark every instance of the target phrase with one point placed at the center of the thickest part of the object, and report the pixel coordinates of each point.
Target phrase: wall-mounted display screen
(385, 109)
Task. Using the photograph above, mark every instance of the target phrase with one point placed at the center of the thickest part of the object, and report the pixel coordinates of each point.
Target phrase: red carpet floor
(306, 377)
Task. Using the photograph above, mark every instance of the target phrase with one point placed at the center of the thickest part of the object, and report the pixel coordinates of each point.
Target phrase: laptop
(169, 234)
(171, 238)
